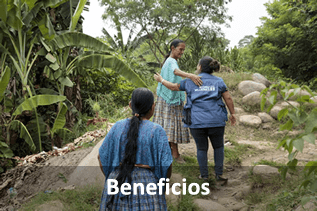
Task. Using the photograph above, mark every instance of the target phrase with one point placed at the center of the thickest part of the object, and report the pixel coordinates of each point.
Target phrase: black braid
(141, 103)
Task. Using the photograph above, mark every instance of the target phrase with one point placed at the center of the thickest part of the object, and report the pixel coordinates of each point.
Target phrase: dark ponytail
(209, 65)
(175, 43)
(141, 103)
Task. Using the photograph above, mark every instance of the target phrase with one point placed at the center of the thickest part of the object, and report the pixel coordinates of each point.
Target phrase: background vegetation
(53, 76)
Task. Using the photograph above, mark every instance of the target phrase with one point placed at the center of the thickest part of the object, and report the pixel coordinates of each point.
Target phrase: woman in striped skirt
(169, 106)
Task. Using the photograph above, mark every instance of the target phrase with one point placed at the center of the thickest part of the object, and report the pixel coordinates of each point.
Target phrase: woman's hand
(233, 119)
(196, 79)
(158, 77)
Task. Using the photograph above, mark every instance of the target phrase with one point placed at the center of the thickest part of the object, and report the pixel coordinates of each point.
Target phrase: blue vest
(207, 107)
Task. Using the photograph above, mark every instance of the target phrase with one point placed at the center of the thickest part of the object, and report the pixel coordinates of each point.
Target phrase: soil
(66, 171)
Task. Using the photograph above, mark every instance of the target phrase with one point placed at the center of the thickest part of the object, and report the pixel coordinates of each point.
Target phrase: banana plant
(5, 150)
(18, 20)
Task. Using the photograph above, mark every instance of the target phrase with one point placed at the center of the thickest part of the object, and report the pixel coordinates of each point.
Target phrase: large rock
(208, 205)
(266, 172)
(257, 77)
(250, 120)
(176, 178)
(265, 117)
(314, 99)
(246, 87)
(300, 93)
(51, 206)
(308, 206)
(289, 104)
(274, 111)
(252, 98)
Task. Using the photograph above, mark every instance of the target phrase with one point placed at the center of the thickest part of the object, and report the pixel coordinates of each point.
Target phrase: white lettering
(110, 186)
(135, 188)
(124, 187)
(203, 186)
(190, 189)
(160, 185)
(150, 187)
(174, 190)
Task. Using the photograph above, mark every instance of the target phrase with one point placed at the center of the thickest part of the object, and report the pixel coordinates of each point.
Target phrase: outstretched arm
(195, 78)
(167, 84)
(229, 102)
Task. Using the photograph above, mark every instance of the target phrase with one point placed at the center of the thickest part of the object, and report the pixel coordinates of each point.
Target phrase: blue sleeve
(108, 152)
(164, 157)
(222, 86)
(182, 85)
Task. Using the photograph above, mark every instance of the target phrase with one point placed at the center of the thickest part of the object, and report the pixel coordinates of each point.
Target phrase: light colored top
(167, 72)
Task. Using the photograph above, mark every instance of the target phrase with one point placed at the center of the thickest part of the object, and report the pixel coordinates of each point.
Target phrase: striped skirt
(139, 201)
(170, 118)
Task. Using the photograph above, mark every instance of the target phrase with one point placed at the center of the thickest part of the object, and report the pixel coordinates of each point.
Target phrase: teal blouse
(167, 72)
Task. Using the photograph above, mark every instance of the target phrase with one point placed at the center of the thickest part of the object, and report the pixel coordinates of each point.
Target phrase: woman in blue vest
(169, 105)
(208, 113)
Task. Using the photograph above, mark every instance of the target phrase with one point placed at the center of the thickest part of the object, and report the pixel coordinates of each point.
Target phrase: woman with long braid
(135, 151)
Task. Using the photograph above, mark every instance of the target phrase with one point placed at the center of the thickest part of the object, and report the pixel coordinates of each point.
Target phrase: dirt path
(81, 167)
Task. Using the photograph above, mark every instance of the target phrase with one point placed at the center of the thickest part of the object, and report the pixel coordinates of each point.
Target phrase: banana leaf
(77, 13)
(98, 61)
(24, 133)
(5, 150)
(78, 39)
(4, 81)
(38, 100)
(60, 119)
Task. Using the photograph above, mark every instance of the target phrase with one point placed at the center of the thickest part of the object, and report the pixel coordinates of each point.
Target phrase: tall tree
(160, 18)
(287, 38)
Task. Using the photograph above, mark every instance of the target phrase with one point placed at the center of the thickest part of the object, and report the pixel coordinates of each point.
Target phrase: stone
(265, 117)
(173, 199)
(250, 120)
(51, 206)
(176, 178)
(257, 77)
(308, 206)
(300, 93)
(231, 203)
(242, 192)
(208, 205)
(266, 171)
(266, 126)
(246, 87)
(314, 99)
(252, 98)
(233, 182)
(238, 110)
(274, 111)
(289, 104)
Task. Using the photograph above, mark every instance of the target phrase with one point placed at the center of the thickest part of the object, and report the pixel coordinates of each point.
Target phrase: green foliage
(285, 42)
(296, 117)
(161, 18)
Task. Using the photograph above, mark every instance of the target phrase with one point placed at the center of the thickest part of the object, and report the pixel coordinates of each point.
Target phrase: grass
(87, 198)
(232, 80)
